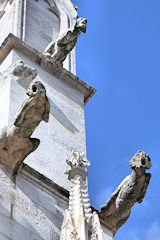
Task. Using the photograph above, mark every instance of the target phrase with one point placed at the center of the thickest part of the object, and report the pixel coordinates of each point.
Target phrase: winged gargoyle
(132, 189)
(66, 42)
(15, 140)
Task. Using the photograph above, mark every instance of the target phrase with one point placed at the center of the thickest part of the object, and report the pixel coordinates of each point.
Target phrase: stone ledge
(31, 174)
(54, 188)
(12, 42)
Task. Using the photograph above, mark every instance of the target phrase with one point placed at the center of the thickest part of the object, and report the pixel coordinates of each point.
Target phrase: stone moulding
(43, 182)
(32, 175)
(12, 42)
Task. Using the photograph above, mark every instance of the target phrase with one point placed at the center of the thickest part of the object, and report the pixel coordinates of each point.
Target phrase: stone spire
(79, 222)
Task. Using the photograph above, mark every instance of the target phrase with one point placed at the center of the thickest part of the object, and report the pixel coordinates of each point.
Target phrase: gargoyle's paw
(35, 143)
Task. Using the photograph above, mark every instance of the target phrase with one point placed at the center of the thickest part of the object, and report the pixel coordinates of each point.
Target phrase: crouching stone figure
(66, 42)
(15, 141)
(132, 189)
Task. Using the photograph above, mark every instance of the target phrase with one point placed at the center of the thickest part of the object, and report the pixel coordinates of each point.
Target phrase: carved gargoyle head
(140, 160)
(81, 23)
(36, 89)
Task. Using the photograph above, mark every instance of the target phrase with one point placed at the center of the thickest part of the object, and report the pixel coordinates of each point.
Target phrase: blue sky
(120, 56)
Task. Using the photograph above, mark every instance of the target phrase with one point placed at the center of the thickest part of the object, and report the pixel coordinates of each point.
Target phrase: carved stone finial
(78, 160)
(15, 140)
(78, 163)
(79, 222)
(132, 189)
(66, 42)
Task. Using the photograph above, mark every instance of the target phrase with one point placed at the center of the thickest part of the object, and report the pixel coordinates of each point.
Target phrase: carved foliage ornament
(78, 159)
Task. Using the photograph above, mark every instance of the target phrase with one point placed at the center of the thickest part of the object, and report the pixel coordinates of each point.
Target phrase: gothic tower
(32, 202)
(28, 26)
(37, 200)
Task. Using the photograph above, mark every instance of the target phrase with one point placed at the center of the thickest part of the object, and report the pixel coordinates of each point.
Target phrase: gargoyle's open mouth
(34, 89)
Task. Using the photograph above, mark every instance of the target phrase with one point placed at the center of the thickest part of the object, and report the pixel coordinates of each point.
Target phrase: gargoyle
(132, 189)
(15, 141)
(66, 42)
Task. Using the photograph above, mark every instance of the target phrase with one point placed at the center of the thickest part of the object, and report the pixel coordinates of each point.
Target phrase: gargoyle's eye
(143, 161)
(34, 89)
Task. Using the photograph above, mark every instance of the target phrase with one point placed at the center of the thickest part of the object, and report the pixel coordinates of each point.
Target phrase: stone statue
(66, 42)
(132, 189)
(15, 141)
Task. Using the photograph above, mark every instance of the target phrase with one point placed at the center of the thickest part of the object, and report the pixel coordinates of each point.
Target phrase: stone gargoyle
(66, 42)
(132, 189)
(15, 140)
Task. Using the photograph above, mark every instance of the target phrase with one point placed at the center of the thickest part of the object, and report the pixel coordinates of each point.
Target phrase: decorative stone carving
(23, 71)
(66, 42)
(79, 222)
(78, 159)
(15, 140)
(132, 189)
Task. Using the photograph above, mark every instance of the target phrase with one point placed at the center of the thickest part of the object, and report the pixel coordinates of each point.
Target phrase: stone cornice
(35, 177)
(12, 42)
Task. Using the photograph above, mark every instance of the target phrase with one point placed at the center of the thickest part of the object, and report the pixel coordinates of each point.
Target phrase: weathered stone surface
(38, 22)
(13, 230)
(15, 141)
(39, 27)
(31, 208)
(5, 208)
(107, 235)
(14, 45)
(2, 237)
(66, 42)
(65, 131)
(132, 189)
(6, 18)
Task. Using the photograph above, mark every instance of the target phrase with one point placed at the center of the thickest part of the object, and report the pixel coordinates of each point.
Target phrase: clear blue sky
(120, 56)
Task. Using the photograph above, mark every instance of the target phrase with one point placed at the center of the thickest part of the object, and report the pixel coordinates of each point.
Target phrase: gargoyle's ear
(47, 111)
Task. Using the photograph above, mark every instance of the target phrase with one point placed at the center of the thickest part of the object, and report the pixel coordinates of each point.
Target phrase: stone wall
(30, 209)
(40, 30)
(7, 20)
(38, 23)
(65, 131)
